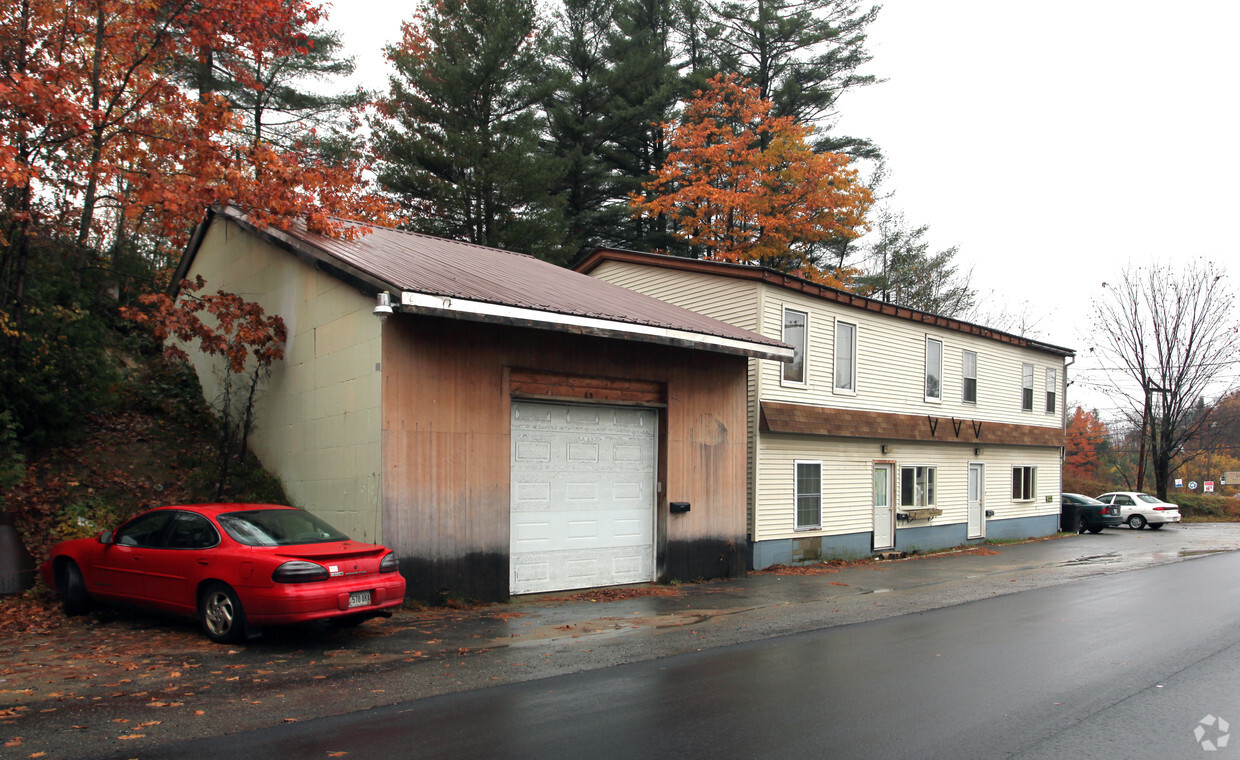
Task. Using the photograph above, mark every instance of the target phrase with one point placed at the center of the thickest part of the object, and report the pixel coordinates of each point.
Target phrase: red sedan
(236, 567)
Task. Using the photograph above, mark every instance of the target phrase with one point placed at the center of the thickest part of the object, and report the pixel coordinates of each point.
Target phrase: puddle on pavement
(1091, 560)
(601, 629)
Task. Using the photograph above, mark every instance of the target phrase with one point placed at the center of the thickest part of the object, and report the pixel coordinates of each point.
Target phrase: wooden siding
(318, 422)
(847, 468)
(447, 386)
(886, 427)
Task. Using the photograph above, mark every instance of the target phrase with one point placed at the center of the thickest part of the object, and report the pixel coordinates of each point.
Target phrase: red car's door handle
(203, 562)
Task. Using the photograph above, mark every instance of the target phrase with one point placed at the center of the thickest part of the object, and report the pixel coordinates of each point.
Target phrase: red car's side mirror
(105, 537)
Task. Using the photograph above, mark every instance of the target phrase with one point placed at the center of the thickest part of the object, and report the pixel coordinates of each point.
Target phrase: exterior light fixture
(384, 306)
(885, 448)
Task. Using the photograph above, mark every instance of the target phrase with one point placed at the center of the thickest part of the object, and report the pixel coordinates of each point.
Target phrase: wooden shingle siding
(884, 426)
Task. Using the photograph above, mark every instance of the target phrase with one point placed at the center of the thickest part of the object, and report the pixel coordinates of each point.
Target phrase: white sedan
(1140, 509)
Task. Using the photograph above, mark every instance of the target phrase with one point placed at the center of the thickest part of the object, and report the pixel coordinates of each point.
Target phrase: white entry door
(977, 502)
(583, 496)
(884, 508)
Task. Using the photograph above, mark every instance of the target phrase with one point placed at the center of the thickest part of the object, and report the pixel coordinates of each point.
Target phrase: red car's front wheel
(221, 614)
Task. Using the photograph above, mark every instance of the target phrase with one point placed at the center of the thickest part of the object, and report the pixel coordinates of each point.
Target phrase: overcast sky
(1055, 142)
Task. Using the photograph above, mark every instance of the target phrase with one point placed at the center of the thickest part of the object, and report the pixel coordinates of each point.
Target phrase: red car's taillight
(299, 571)
(389, 564)
(1161, 509)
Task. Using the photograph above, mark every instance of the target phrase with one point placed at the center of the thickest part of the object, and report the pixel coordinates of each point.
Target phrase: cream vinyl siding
(891, 361)
(724, 298)
(319, 426)
(847, 482)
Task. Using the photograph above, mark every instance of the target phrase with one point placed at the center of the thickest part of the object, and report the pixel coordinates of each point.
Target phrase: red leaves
(746, 186)
(241, 327)
(1085, 432)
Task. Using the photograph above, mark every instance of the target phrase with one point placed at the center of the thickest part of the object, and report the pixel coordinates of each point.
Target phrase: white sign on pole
(1179, 482)
(1192, 485)
(1209, 487)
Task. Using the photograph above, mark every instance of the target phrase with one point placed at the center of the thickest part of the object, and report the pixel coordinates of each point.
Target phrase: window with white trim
(968, 370)
(1026, 387)
(916, 487)
(796, 330)
(1024, 483)
(1052, 385)
(934, 369)
(808, 488)
(845, 356)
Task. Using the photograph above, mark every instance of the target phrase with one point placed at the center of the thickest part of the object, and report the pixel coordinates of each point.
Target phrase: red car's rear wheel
(221, 614)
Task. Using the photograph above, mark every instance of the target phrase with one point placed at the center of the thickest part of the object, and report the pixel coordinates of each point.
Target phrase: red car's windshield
(278, 527)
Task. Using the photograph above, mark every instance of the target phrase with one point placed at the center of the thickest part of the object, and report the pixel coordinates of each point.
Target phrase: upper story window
(845, 356)
(1052, 385)
(809, 495)
(796, 330)
(934, 370)
(968, 371)
(1026, 387)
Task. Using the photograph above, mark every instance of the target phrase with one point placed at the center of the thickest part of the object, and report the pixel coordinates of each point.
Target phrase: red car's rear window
(278, 527)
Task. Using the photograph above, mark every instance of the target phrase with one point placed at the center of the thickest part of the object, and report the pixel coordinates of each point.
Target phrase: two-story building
(891, 429)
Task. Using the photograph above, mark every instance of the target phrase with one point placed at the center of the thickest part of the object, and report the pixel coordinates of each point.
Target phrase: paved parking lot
(116, 679)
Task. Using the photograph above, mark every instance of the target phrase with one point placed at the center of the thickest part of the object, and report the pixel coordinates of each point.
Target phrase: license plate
(359, 598)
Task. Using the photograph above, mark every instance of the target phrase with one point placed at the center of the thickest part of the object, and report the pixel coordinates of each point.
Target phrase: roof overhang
(479, 311)
(786, 281)
(413, 302)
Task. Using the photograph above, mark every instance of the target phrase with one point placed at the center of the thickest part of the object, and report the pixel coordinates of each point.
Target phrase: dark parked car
(1089, 514)
(235, 567)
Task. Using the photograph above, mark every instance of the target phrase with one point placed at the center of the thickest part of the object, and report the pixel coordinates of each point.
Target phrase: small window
(968, 387)
(1026, 387)
(1051, 386)
(795, 329)
(916, 487)
(934, 369)
(845, 356)
(809, 495)
(1024, 483)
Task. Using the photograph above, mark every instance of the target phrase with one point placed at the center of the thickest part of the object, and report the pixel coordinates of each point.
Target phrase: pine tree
(802, 55)
(647, 86)
(582, 126)
(458, 143)
(903, 270)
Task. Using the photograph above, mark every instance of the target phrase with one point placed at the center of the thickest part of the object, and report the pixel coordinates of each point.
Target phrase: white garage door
(583, 480)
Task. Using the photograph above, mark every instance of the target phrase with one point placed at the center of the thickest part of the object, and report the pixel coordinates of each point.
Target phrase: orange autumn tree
(742, 185)
(1086, 432)
(105, 140)
(248, 340)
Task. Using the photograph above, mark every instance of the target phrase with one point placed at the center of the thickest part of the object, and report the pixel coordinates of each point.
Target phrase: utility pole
(1149, 388)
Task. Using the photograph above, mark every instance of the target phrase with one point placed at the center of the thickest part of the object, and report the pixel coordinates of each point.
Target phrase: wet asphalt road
(1123, 666)
(84, 692)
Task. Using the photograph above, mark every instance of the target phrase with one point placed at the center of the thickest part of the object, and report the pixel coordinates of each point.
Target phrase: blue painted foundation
(915, 538)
